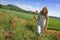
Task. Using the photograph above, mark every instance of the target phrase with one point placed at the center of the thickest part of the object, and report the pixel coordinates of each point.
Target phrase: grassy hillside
(22, 26)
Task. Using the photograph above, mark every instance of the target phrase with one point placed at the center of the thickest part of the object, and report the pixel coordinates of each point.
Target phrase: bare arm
(37, 18)
(46, 22)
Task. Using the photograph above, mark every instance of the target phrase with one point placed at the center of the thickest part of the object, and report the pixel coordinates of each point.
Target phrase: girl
(42, 21)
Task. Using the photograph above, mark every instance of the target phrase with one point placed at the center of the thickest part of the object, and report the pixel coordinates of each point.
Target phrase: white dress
(41, 24)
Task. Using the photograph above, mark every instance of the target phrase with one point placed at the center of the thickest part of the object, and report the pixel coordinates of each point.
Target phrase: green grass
(54, 23)
(25, 30)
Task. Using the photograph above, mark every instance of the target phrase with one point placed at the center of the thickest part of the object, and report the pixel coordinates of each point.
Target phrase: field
(22, 26)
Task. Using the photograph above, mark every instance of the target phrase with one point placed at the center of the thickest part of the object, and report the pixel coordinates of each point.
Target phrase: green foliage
(54, 24)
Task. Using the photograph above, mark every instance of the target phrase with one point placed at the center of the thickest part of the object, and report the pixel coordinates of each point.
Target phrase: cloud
(58, 5)
(38, 3)
(26, 7)
(23, 6)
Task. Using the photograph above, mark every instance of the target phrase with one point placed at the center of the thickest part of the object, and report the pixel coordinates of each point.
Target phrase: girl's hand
(34, 17)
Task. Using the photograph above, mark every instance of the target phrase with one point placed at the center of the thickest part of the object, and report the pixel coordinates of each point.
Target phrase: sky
(32, 5)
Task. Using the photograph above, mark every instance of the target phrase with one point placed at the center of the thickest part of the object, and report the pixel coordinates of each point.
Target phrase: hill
(14, 8)
(11, 7)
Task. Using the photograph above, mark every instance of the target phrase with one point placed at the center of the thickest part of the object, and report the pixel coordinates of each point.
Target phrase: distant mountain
(15, 8)
(12, 7)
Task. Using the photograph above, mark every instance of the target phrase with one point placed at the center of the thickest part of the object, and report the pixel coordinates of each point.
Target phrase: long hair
(44, 11)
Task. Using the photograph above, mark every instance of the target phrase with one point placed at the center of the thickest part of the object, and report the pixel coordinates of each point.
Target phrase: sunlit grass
(23, 26)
